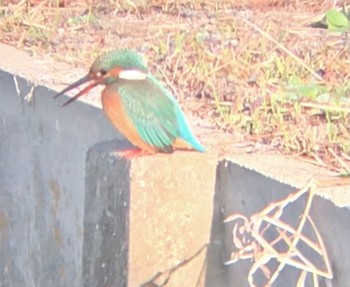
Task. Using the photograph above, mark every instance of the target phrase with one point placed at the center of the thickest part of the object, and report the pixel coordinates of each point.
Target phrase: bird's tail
(187, 135)
(182, 144)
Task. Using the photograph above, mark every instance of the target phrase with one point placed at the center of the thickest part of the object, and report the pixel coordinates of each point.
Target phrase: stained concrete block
(146, 217)
(245, 191)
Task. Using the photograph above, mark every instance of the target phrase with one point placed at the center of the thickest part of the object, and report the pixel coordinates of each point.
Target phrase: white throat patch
(132, 75)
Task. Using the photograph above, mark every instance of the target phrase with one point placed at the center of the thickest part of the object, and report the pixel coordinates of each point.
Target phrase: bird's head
(108, 68)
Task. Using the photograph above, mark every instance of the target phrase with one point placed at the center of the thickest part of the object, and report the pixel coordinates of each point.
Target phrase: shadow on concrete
(42, 183)
(106, 219)
(239, 190)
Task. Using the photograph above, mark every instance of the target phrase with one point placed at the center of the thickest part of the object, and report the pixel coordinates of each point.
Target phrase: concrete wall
(42, 183)
(72, 213)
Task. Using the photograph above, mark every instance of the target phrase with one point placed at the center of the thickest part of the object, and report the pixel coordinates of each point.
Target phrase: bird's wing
(151, 110)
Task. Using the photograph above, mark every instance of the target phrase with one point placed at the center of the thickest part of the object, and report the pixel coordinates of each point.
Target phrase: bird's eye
(101, 73)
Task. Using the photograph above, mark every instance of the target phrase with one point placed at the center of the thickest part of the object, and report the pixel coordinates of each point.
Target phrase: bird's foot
(132, 153)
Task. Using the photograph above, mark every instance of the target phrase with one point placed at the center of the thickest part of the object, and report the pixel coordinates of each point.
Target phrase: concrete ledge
(170, 216)
(147, 216)
(294, 172)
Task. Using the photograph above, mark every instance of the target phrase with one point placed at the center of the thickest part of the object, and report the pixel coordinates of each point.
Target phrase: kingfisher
(137, 104)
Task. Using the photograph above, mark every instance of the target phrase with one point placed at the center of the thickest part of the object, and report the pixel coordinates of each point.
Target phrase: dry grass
(263, 71)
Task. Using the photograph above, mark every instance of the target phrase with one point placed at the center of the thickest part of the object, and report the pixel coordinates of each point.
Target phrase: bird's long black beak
(78, 83)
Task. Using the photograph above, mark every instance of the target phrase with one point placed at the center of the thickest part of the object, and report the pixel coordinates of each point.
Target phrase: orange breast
(113, 107)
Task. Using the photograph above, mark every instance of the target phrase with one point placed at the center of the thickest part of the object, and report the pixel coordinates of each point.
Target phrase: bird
(137, 104)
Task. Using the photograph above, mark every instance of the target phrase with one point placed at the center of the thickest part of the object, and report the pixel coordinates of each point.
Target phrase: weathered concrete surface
(245, 191)
(158, 221)
(170, 216)
(106, 222)
(42, 181)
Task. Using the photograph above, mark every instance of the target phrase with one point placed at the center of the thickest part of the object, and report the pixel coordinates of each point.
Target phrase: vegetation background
(271, 71)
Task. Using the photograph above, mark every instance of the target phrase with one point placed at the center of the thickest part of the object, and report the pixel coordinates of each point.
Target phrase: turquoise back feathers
(155, 113)
(183, 127)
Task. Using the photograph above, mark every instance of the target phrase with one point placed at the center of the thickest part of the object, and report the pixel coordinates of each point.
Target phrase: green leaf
(337, 21)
